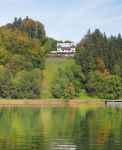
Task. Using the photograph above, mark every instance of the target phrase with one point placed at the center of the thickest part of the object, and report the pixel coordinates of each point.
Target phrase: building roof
(65, 45)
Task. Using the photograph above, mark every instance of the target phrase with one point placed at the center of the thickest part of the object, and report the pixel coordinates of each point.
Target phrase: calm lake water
(66, 128)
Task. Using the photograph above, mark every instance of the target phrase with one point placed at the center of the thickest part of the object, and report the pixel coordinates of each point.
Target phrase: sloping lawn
(50, 72)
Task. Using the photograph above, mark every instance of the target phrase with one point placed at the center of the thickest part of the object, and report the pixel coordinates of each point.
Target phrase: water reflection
(64, 144)
(81, 128)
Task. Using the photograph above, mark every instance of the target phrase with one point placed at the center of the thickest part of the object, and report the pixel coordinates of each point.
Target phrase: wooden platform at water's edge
(114, 102)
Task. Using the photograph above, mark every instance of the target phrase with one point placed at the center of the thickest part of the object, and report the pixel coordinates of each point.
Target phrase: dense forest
(98, 68)
(22, 58)
(100, 59)
(24, 47)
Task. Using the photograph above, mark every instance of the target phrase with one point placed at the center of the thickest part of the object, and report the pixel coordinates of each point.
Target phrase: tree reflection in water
(83, 128)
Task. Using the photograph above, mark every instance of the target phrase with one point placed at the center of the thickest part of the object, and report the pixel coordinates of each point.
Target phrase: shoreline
(50, 102)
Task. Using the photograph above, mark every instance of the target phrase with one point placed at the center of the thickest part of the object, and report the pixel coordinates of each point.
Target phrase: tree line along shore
(95, 72)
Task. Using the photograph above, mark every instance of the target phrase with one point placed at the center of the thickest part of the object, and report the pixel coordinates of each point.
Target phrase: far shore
(50, 102)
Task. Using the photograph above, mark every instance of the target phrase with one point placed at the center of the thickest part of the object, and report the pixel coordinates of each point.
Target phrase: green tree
(111, 87)
(60, 89)
(69, 83)
(27, 84)
(6, 86)
(106, 87)
(117, 70)
(49, 45)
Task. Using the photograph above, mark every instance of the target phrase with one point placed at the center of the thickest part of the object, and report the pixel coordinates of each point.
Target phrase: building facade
(66, 48)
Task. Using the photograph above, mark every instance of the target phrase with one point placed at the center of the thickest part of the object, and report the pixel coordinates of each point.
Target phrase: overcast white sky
(67, 19)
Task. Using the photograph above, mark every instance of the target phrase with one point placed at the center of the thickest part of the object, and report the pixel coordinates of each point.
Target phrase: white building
(66, 48)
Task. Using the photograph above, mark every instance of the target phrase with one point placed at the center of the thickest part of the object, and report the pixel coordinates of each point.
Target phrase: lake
(65, 128)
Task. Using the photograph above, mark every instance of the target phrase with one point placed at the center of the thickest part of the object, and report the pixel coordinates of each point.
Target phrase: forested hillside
(100, 58)
(24, 47)
(22, 58)
(96, 49)
(98, 69)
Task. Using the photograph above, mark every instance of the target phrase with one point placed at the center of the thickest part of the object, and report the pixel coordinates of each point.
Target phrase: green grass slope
(50, 72)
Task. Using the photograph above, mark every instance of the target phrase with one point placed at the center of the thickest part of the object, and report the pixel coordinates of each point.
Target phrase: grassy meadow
(51, 68)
